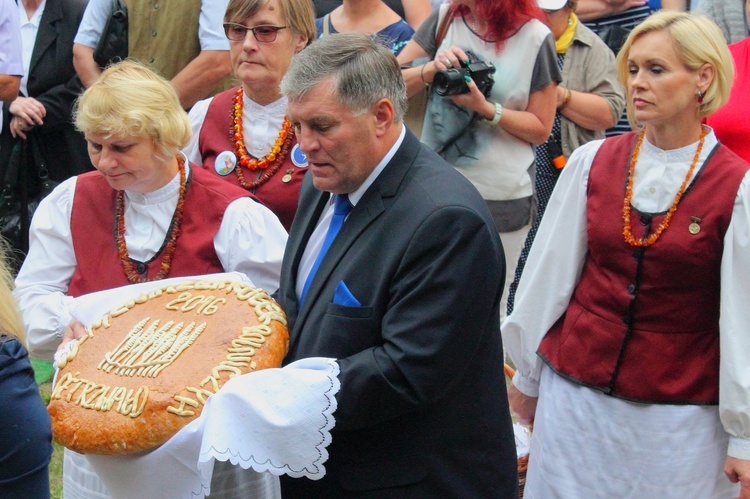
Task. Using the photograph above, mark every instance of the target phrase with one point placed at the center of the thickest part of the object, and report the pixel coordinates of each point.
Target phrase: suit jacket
(53, 82)
(422, 410)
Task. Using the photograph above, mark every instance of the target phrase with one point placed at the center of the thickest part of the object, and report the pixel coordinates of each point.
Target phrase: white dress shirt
(29, 29)
(260, 125)
(315, 243)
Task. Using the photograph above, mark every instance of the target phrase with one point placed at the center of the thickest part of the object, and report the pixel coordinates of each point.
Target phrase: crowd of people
(575, 201)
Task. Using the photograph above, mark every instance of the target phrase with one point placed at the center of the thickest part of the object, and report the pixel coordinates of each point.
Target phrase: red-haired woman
(489, 132)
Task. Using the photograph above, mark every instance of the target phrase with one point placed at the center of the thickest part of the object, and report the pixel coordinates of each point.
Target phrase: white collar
(161, 194)
(357, 194)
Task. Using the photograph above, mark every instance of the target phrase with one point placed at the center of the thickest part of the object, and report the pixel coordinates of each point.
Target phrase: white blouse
(556, 260)
(250, 240)
(260, 124)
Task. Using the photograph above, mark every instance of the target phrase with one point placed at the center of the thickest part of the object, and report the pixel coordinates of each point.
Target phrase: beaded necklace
(131, 270)
(627, 230)
(273, 160)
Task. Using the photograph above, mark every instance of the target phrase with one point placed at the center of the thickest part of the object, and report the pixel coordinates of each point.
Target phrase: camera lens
(450, 82)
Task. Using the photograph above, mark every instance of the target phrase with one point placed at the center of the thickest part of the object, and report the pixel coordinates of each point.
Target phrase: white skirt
(589, 445)
(80, 481)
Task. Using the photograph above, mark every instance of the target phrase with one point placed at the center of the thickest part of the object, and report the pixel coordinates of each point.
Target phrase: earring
(700, 96)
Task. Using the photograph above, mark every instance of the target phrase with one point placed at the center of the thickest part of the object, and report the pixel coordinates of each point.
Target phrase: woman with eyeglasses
(242, 134)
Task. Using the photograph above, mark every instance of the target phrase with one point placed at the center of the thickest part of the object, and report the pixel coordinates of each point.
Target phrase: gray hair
(363, 72)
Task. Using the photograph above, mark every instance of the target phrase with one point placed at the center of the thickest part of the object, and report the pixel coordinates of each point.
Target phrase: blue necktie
(341, 209)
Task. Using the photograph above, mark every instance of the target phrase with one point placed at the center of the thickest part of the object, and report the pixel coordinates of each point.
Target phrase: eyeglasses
(264, 33)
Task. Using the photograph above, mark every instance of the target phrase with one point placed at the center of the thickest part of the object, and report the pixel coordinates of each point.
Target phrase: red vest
(643, 323)
(92, 226)
(216, 137)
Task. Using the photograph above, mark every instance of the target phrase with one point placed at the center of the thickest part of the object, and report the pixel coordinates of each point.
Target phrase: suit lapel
(369, 208)
(47, 33)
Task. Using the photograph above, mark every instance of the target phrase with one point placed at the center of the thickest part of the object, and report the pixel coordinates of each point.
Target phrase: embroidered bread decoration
(146, 369)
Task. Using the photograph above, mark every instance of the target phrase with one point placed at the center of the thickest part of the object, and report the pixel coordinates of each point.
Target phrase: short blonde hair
(698, 41)
(10, 317)
(130, 100)
(299, 15)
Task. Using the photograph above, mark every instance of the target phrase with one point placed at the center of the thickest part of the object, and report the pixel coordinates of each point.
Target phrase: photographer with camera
(494, 76)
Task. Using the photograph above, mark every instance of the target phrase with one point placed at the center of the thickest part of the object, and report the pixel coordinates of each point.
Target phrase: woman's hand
(19, 127)
(738, 470)
(449, 58)
(29, 110)
(475, 100)
(524, 406)
(73, 331)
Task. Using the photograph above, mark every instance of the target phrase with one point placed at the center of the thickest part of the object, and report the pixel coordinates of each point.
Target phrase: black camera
(452, 82)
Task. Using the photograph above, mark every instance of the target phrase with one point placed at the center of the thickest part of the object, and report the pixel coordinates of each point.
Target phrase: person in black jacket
(406, 297)
(42, 111)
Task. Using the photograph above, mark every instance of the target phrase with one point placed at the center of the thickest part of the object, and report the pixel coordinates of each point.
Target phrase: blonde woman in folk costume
(145, 214)
(241, 134)
(630, 324)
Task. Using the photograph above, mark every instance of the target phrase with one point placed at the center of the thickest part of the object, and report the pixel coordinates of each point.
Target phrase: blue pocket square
(344, 297)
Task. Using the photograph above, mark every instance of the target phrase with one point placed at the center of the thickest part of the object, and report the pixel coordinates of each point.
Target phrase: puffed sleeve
(251, 240)
(734, 326)
(552, 270)
(43, 280)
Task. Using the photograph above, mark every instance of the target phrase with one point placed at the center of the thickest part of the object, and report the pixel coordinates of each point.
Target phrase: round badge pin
(225, 163)
(298, 157)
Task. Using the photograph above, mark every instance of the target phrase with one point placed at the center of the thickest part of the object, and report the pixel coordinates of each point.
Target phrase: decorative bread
(146, 369)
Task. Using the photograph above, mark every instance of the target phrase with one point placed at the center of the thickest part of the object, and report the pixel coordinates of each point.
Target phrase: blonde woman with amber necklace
(145, 214)
(630, 325)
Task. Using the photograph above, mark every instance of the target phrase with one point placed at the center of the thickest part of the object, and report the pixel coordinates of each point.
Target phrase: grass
(43, 372)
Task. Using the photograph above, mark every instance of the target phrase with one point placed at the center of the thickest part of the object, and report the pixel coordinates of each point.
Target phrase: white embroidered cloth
(275, 420)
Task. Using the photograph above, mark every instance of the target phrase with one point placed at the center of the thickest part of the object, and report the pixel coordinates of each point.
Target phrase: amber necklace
(272, 162)
(627, 230)
(173, 233)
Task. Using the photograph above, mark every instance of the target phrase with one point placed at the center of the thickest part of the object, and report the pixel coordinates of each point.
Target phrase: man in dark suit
(406, 298)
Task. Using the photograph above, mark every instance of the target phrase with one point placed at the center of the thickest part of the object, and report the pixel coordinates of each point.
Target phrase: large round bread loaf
(146, 369)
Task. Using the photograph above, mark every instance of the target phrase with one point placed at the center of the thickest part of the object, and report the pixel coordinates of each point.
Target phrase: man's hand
(738, 470)
(524, 406)
(73, 331)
